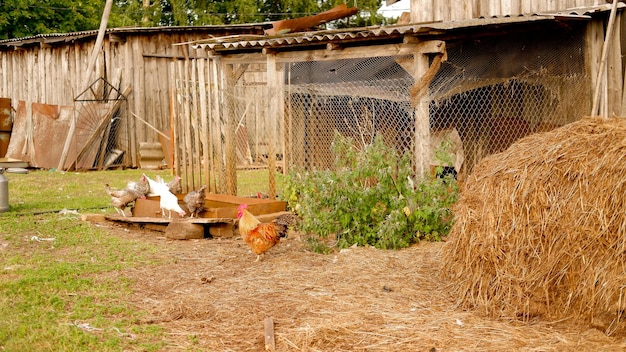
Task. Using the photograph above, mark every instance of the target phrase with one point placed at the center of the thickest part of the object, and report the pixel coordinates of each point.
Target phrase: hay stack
(541, 227)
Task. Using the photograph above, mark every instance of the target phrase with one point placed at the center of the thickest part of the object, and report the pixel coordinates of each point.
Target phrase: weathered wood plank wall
(450, 10)
(50, 69)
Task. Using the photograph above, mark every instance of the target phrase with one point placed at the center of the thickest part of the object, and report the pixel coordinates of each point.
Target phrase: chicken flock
(259, 236)
(147, 187)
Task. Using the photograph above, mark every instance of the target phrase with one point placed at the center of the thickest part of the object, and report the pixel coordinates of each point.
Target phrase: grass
(59, 287)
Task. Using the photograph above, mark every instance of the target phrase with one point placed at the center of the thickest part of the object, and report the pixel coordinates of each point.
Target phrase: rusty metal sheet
(16, 148)
(5, 138)
(39, 132)
(6, 122)
(6, 125)
(50, 124)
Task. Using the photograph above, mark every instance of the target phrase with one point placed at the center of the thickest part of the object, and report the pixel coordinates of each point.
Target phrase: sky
(396, 9)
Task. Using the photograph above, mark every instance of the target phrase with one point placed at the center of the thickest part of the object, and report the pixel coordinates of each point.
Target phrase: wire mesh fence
(485, 96)
(101, 138)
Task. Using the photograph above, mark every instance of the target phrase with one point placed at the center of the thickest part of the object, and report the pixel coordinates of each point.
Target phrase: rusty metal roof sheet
(247, 42)
(69, 37)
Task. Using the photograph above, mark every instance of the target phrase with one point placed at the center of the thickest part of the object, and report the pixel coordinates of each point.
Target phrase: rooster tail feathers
(287, 219)
(284, 222)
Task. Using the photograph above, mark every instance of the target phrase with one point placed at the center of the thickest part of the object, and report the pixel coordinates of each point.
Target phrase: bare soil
(212, 295)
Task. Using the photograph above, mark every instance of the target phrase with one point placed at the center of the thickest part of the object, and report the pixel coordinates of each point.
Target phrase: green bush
(370, 197)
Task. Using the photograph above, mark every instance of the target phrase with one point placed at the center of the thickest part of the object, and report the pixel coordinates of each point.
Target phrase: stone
(178, 230)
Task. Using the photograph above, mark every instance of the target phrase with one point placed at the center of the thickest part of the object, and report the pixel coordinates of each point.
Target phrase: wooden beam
(351, 52)
(151, 127)
(89, 69)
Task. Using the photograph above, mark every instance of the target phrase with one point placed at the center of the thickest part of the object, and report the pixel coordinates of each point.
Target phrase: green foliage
(22, 18)
(370, 198)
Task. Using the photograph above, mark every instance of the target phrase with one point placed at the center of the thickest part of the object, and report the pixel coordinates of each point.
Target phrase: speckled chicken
(194, 201)
(143, 187)
(121, 198)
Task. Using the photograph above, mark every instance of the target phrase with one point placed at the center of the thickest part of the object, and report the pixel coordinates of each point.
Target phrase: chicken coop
(277, 102)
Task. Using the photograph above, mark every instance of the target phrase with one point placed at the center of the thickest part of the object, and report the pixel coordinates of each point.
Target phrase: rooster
(262, 236)
(194, 201)
(121, 198)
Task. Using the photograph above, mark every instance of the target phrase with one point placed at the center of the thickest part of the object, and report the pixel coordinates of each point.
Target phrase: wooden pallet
(218, 220)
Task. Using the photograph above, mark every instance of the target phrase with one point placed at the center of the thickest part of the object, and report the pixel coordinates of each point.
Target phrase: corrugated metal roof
(67, 37)
(385, 32)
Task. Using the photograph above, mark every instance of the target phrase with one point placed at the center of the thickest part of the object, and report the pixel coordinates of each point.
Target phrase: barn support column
(275, 101)
(423, 73)
(228, 85)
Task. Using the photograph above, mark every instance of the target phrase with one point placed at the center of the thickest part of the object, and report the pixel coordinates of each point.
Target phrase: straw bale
(541, 228)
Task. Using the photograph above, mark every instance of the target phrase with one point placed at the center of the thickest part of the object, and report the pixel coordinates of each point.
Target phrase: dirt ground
(211, 295)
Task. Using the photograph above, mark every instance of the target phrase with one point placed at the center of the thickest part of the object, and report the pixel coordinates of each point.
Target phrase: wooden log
(303, 23)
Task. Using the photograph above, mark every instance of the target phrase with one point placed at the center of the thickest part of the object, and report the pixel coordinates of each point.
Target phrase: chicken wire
(490, 92)
(101, 138)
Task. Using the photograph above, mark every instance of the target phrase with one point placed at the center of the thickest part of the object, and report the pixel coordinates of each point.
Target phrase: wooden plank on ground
(153, 220)
(270, 341)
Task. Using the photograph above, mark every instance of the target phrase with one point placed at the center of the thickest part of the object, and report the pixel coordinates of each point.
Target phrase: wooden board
(155, 220)
(217, 206)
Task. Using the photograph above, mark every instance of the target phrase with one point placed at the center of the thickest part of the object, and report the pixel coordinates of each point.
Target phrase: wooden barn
(470, 78)
(478, 75)
(45, 81)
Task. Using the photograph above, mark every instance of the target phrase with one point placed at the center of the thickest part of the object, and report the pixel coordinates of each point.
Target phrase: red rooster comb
(240, 210)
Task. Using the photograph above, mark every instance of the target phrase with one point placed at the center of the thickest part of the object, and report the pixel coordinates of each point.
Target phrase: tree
(21, 18)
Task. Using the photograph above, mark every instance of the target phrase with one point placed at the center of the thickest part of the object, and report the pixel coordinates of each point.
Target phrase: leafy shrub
(370, 197)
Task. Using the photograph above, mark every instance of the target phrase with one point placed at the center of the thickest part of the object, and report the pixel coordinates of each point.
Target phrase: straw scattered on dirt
(541, 228)
(211, 295)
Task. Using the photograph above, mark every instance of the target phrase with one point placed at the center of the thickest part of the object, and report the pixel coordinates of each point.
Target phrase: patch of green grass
(62, 286)
(47, 191)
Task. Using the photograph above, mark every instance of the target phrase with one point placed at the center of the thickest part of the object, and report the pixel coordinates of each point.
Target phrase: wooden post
(203, 120)
(175, 167)
(422, 122)
(601, 69)
(216, 118)
(230, 148)
(90, 65)
(274, 113)
(423, 75)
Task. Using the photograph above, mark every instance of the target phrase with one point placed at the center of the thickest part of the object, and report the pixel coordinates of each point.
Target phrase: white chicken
(168, 201)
